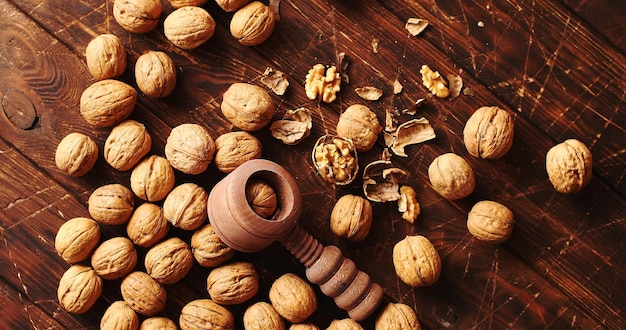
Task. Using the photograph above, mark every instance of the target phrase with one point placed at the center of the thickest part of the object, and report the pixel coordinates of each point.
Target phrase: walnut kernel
(114, 258)
(106, 57)
(434, 82)
(169, 261)
(111, 204)
(262, 315)
(359, 124)
(397, 316)
(416, 261)
(234, 149)
(569, 166)
(335, 159)
(293, 298)
(137, 16)
(76, 238)
(185, 206)
(147, 225)
(351, 218)
(126, 145)
(208, 249)
(252, 24)
(107, 102)
(152, 179)
(322, 84)
(233, 283)
(205, 314)
(119, 316)
(79, 289)
(190, 148)
(76, 154)
(155, 74)
(488, 133)
(451, 176)
(189, 27)
(490, 222)
(408, 204)
(246, 106)
(143, 294)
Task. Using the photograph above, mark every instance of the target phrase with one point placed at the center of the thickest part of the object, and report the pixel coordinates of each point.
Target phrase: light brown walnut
(158, 323)
(344, 324)
(79, 288)
(488, 133)
(152, 179)
(247, 107)
(351, 218)
(128, 142)
(252, 24)
(451, 176)
(234, 149)
(569, 166)
(185, 206)
(231, 5)
(293, 298)
(147, 225)
(490, 222)
(119, 316)
(169, 261)
(111, 204)
(106, 56)
(76, 154)
(114, 258)
(262, 198)
(304, 326)
(208, 249)
(137, 16)
(143, 294)
(397, 316)
(416, 261)
(155, 74)
(233, 283)
(107, 102)
(189, 27)
(76, 239)
(261, 316)
(190, 148)
(205, 314)
(361, 125)
(182, 3)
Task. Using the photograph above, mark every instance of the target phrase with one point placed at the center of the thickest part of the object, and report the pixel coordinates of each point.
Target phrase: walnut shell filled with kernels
(252, 24)
(293, 298)
(397, 316)
(205, 314)
(351, 218)
(119, 316)
(137, 16)
(233, 283)
(335, 159)
(169, 261)
(234, 149)
(189, 27)
(76, 239)
(190, 148)
(451, 176)
(569, 166)
(488, 133)
(158, 323)
(106, 57)
(155, 74)
(126, 145)
(143, 294)
(107, 102)
(79, 289)
(361, 125)
(208, 249)
(114, 258)
(147, 225)
(247, 106)
(152, 179)
(490, 222)
(185, 206)
(261, 316)
(416, 261)
(76, 154)
(111, 204)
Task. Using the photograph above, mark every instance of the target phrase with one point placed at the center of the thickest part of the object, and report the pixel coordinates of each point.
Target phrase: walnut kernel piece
(569, 166)
(189, 27)
(451, 176)
(231, 5)
(344, 324)
(126, 145)
(275, 80)
(490, 222)
(233, 283)
(76, 238)
(335, 159)
(294, 127)
(205, 314)
(158, 323)
(234, 149)
(79, 289)
(111, 204)
(252, 24)
(397, 316)
(155, 74)
(293, 298)
(185, 206)
(246, 106)
(147, 225)
(262, 315)
(369, 93)
(456, 85)
(152, 179)
(119, 316)
(351, 218)
(114, 258)
(359, 124)
(169, 261)
(182, 3)
(488, 133)
(107, 102)
(76, 154)
(262, 198)
(416, 261)
(143, 294)
(381, 181)
(106, 57)
(408, 204)
(322, 86)
(137, 16)
(415, 26)
(411, 132)
(397, 87)
(190, 148)
(434, 82)
(208, 249)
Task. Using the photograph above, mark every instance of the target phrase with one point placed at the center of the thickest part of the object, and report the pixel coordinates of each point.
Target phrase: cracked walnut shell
(490, 222)
(451, 176)
(488, 133)
(234, 149)
(208, 249)
(111, 204)
(252, 24)
(107, 102)
(76, 239)
(147, 225)
(119, 316)
(247, 107)
(569, 166)
(351, 218)
(233, 283)
(185, 206)
(190, 148)
(397, 316)
(335, 159)
(205, 314)
(189, 27)
(152, 179)
(322, 84)
(126, 145)
(143, 294)
(293, 298)
(361, 125)
(137, 16)
(114, 258)
(76, 154)
(79, 289)
(261, 316)
(416, 261)
(106, 57)
(155, 74)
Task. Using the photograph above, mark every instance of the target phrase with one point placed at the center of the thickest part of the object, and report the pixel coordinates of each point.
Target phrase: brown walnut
(169, 261)
(451, 176)
(351, 218)
(397, 316)
(261, 316)
(76, 239)
(231, 5)
(569, 166)
(111, 204)
(182, 3)
(143, 294)
(304, 326)
(155, 74)
(79, 289)
(126, 145)
(147, 225)
(252, 24)
(189, 27)
(262, 198)
(137, 16)
(158, 323)
(234, 149)
(488, 133)
(152, 179)
(233, 283)
(344, 324)
(107, 102)
(293, 298)
(114, 258)
(359, 124)
(248, 107)
(208, 249)
(490, 222)
(205, 314)
(185, 206)
(416, 261)
(106, 57)
(76, 154)
(119, 316)
(190, 148)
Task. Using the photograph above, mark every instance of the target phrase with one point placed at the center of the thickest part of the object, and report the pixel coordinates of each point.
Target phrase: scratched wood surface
(557, 66)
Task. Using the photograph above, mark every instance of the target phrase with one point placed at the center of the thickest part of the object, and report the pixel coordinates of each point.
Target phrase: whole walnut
(490, 222)
(416, 261)
(106, 57)
(119, 316)
(231, 5)
(234, 149)
(262, 198)
(359, 124)
(182, 3)
(304, 326)
(114, 258)
(143, 294)
(293, 298)
(107, 102)
(147, 225)
(261, 316)
(76, 154)
(205, 314)
(158, 323)
(351, 218)
(569, 166)
(155, 74)
(169, 261)
(152, 179)
(126, 145)
(189, 27)
(451, 176)
(397, 316)
(190, 148)
(185, 206)
(79, 289)
(208, 249)
(111, 204)
(233, 283)
(248, 107)
(488, 133)
(252, 24)
(76, 239)
(344, 324)
(137, 16)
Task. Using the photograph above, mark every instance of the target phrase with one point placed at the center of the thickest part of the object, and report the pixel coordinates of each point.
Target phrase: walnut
(293, 298)
(205, 314)
(119, 316)
(275, 80)
(416, 261)
(189, 27)
(359, 124)
(490, 222)
(415, 26)
(252, 24)
(262, 315)
(397, 316)
(488, 133)
(262, 198)
(79, 289)
(152, 179)
(106, 57)
(408, 204)
(190, 148)
(76, 154)
(126, 145)
(208, 249)
(107, 102)
(322, 84)
(335, 159)
(434, 82)
(233, 283)
(155, 74)
(143, 294)
(76, 239)
(234, 149)
(111, 204)
(351, 218)
(182, 3)
(294, 127)
(147, 225)
(304, 326)
(381, 181)
(569, 166)
(114, 258)
(411, 132)
(231, 5)
(344, 324)
(169, 261)
(369, 93)
(185, 206)
(137, 16)
(456, 85)
(247, 106)
(451, 176)
(158, 323)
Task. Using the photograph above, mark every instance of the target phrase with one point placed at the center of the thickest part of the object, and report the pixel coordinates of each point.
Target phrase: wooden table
(557, 66)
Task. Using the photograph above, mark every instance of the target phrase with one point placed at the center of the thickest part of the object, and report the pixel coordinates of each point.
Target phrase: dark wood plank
(605, 17)
(30, 317)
